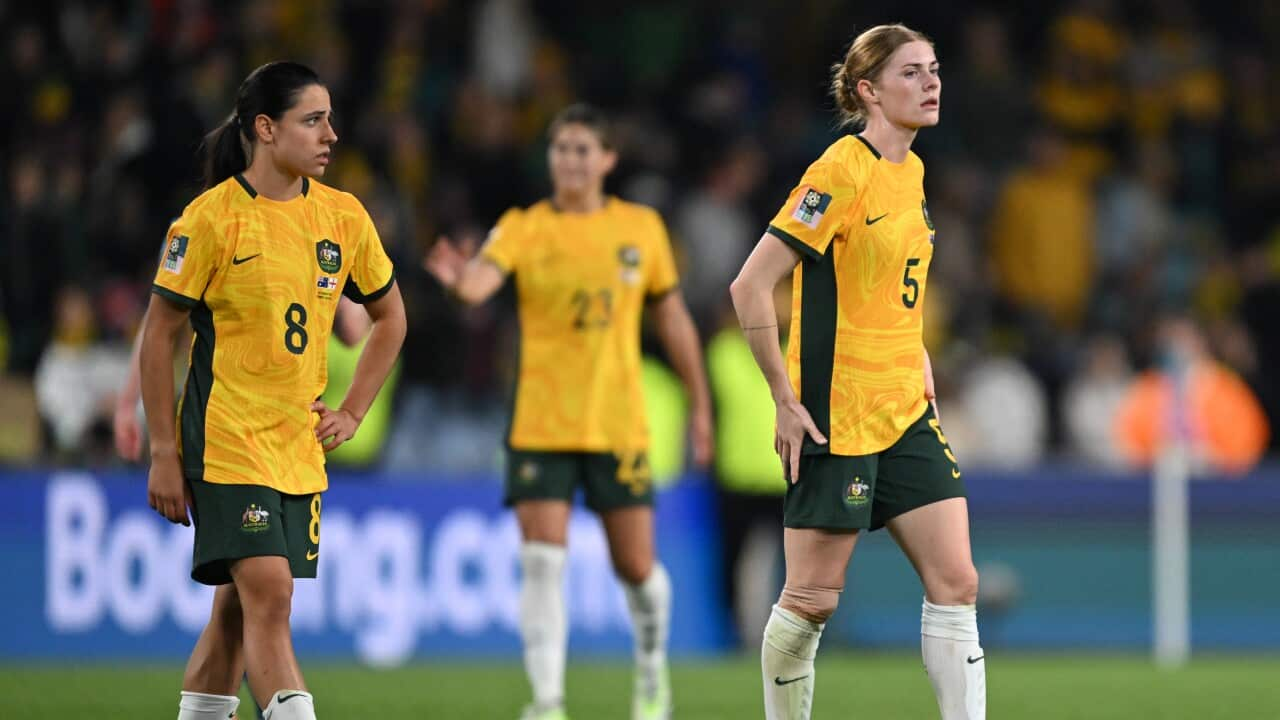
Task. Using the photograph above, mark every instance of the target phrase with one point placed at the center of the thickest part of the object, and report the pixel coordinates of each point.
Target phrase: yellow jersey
(582, 280)
(261, 278)
(856, 353)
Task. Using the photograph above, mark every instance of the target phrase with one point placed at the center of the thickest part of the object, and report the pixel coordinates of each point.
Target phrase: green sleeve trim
(352, 290)
(795, 243)
(653, 297)
(173, 297)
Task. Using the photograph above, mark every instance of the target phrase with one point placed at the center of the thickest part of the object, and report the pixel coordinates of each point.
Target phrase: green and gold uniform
(856, 355)
(262, 279)
(582, 280)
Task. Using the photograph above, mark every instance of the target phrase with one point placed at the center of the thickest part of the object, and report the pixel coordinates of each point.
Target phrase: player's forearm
(128, 398)
(680, 340)
(155, 361)
(376, 360)
(759, 320)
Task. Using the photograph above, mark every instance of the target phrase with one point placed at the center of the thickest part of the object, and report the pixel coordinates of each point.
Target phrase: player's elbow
(741, 290)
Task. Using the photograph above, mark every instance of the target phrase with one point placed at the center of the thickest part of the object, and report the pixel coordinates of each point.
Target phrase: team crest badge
(329, 255)
(175, 253)
(254, 519)
(811, 207)
(855, 494)
(629, 258)
(528, 471)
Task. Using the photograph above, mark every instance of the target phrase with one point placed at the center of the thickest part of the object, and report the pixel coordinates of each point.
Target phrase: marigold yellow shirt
(262, 278)
(856, 355)
(582, 280)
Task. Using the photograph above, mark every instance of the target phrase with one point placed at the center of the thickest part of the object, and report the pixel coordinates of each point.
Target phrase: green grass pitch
(870, 687)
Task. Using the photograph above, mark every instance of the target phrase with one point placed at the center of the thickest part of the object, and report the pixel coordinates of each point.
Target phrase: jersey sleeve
(502, 248)
(816, 209)
(372, 273)
(191, 256)
(660, 275)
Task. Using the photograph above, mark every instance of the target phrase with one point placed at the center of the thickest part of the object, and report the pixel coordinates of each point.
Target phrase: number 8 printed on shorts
(314, 528)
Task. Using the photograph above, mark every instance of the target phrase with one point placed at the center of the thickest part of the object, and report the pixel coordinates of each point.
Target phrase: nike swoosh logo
(870, 221)
(286, 698)
(973, 660)
(780, 681)
(955, 473)
(313, 555)
(239, 260)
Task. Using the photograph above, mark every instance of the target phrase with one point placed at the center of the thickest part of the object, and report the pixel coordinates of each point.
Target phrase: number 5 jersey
(856, 353)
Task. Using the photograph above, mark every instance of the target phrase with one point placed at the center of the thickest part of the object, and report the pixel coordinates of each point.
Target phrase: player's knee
(269, 602)
(633, 570)
(814, 604)
(956, 586)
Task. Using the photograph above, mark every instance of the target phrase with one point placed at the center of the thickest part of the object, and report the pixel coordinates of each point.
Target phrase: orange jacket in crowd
(1228, 428)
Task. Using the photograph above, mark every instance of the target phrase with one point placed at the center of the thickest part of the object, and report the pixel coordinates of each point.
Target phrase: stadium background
(1104, 171)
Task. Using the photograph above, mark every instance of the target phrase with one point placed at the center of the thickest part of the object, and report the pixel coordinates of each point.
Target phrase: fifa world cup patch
(254, 519)
(812, 205)
(175, 254)
(855, 494)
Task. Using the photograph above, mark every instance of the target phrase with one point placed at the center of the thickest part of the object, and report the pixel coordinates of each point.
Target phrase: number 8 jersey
(856, 352)
(582, 280)
(262, 278)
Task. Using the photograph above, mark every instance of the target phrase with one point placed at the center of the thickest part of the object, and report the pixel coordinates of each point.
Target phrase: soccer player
(257, 263)
(857, 431)
(126, 426)
(586, 265)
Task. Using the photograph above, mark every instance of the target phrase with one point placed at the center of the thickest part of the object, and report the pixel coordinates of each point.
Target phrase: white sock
(204, 706)
(954, 660)
(542, 621)
(290, 705)
(786, 659)
(650, 605)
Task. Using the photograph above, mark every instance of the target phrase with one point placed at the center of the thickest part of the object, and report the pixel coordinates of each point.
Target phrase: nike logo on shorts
(313, 555)
(972, 660)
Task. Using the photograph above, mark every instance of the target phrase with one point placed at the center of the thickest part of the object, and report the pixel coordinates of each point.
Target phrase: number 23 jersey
(262, 279)
(582, 280)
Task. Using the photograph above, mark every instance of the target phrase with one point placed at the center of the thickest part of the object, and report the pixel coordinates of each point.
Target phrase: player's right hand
(793, 423)
(127, 432)
(167, 491)
(444, 262)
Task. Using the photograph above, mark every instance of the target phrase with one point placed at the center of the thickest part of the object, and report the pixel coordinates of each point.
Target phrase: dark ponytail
(270, 90)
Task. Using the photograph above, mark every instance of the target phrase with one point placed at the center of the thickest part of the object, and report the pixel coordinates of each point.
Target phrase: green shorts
(609, 481)
(240, 521)
(860, 492)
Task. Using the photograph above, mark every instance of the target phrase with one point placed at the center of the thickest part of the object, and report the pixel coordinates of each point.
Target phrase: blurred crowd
(1105, 185)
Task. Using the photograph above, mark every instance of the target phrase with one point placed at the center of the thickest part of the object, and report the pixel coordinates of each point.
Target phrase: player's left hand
(703, 435)
(335, 427)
